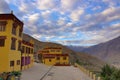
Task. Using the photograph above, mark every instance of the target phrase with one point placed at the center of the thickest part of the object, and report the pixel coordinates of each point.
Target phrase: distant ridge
(108, 51)
(76, 48)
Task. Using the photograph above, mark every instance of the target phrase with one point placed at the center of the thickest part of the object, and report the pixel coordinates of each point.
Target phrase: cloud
(33, 18)
(76, 22)
(31, 22)
(67, 4)
(95, 37)
(23, 7)
(4, 7)
(75, 15)
(96, 8)
(98, 21)
(46, 4)
(61, 21)
(45, 14)
(111, 3)
(108, 11)
(70, 42)
(37, 36)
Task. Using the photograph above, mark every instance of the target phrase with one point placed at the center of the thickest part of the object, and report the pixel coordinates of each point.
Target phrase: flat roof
(10, 16)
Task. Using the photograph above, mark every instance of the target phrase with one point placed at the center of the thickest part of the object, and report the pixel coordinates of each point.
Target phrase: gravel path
(56, 73)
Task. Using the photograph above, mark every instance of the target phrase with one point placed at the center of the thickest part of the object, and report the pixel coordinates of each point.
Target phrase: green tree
(107, 72)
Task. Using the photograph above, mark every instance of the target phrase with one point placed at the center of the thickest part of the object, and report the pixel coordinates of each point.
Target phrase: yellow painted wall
(54, 51)
(15, 57)
(4, 50)
(55, 61)
(26, 55)
(62, 61)
(31, 60)
(47, 62)
(14, 54)
(6, 54)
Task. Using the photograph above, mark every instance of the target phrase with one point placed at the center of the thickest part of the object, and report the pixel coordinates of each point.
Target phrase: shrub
(116, 75)
(110, 73)
(16, 73)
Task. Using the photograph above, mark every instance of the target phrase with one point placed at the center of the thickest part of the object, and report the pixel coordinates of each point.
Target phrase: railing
(89, 73)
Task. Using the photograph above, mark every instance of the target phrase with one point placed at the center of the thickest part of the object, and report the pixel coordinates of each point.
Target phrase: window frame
(57, 58)
(13, 43)
(32, 50)
(50, 60)
(3, 26)
(23, 49)
(20, 32)
(12, 63)
(18, 62)
(26, 50)
(64, 58)
(3, 43)
(14, 28)
(19, 45)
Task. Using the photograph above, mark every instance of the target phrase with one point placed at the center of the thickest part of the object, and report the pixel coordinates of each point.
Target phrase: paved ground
(56, 73)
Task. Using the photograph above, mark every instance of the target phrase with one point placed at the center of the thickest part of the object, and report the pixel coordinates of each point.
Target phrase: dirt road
(56, 73)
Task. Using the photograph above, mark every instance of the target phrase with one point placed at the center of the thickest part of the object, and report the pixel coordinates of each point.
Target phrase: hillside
(40, 45)
(76, 48)
(89, 62)
(108, 51)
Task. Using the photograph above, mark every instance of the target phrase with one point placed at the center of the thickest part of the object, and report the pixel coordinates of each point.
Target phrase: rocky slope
(108, 51)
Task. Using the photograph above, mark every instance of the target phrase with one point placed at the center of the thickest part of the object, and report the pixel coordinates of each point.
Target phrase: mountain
(87, 60)
(77, 48)
(108, 51)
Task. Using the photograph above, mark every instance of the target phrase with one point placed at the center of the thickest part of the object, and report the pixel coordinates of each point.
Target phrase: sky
(68, 22)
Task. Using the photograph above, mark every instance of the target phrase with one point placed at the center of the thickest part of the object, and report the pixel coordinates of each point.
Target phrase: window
(11, 63)
(64, 58)
(49, 60)
(20, 32)
(58, 58)
(57, 62)
(3, 25)
(23, 49)
(26, 50)
(18, 62)
(2, 41)
(13, 44)
(57, 50)
(31, 50)
(19, 46)
(52, 50)
(14, 29)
